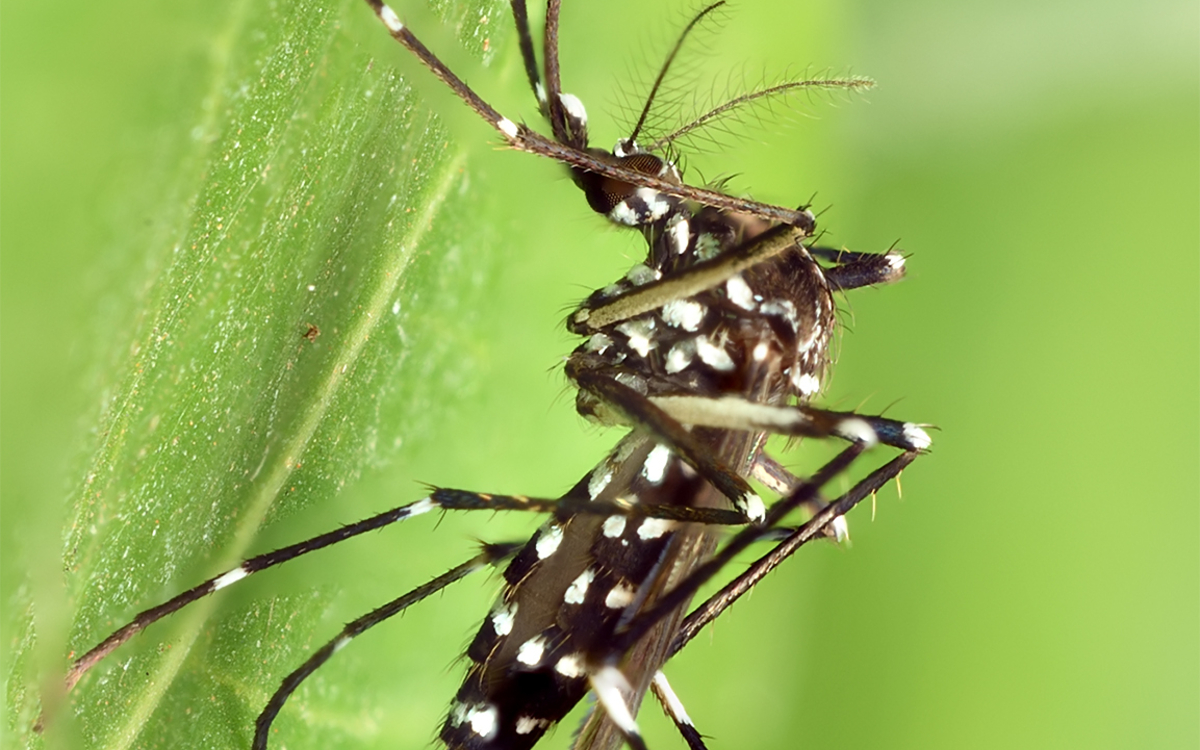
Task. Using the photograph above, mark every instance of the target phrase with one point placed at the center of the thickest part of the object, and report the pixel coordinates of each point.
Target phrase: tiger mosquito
(716, 341)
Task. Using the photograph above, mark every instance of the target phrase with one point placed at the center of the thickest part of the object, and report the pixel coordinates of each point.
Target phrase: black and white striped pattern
(717, 339)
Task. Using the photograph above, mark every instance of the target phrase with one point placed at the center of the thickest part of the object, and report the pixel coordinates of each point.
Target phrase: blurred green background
(186, 188)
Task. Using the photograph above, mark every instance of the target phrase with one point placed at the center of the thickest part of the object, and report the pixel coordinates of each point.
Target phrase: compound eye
(643, 163)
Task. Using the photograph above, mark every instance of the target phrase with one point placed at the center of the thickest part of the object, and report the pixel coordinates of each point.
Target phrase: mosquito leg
(640, 411)
(665, 417)
(524, 139)
(565, 507)
(624, 639)
(719, 602)
(525, 40)
(491, 554)
(598, 312)
(440, 499)
(737, 413)
(611, 687)
(643, 623)
(255, 564)
(782, 482)
(566, 128)
(674, 708)
(773, 475)
(853, 270)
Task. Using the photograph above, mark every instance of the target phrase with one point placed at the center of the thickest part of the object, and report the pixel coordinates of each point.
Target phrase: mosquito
(716, 341)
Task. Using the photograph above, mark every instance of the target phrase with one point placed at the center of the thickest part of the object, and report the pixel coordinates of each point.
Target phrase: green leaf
(304, 318)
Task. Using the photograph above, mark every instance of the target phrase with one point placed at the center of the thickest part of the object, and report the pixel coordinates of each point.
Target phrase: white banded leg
(805, 492)
(701, 277)
(528, 56)
(813, 529)
(491, 554)
(523, 139)
(568, 506)
(674, 708)
(782, 482)
(737, 413)
(144, 619)
(625, 638)
(665, 417)
(640, 411)
(438, 500)
(611, 689)
(854, 270)
(639, 626)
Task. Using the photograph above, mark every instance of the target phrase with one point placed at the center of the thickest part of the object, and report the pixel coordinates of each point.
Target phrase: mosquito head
(627, 203)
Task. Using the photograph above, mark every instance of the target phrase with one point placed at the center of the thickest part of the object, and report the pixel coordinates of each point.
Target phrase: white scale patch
(632, 380)
(782, 308)
(503, 618)
(577, 591)
(738, 292)
(599, 480)
(806, 383)
(611, 290)
(760, 351)
(841, 529)
(527, 724)
(610, 686)
(599, 343)
(640, 334)
(679, 233)
(614, 526)
(623, 214)
(707, 246)
(642, 274)
(655, 468)
(570, 666)
(620, 597)
(548, 541)
(656, 203)
(916, 436)
(680, 357)
(483, 720)
(229, 578)
(684, 313)
(421, 506)
(674, 705)
(712, 355)
(624, 450)
(753, 506)
(508, 127)
(574, 107)
(532, 651)
(858, 431)
(390, 20)
(653, 528)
